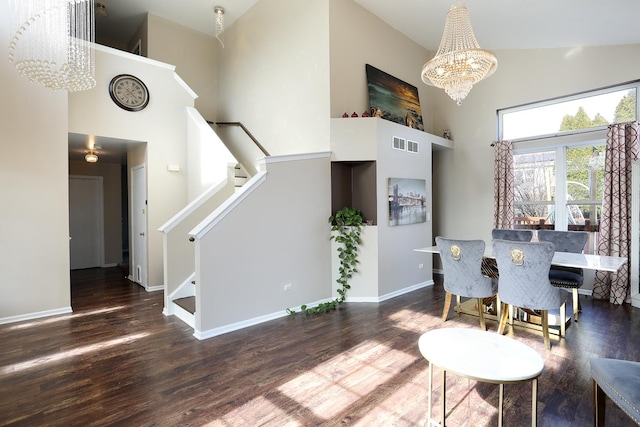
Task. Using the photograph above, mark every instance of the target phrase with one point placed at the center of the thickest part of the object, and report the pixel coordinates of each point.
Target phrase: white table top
(479, 355)
(566, 259)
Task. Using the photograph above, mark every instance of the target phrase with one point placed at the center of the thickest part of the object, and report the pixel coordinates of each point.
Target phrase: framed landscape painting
(407, 201)
(392, 99)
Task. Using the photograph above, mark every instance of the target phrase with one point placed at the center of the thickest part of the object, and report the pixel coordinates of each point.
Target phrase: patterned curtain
(615, 224)
(503, 194)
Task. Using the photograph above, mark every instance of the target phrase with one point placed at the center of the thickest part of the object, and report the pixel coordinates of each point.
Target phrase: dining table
(608, 263)
(564, 259)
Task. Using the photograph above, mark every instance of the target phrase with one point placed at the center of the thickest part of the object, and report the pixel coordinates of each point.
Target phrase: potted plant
(346, 227)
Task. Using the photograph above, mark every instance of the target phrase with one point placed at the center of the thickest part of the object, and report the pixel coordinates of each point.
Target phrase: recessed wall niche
(353, 184)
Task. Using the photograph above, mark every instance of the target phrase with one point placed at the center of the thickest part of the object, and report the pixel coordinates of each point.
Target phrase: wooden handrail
(241, 126)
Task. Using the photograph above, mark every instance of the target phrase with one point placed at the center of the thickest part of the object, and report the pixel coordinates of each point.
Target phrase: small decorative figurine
(366, 114)
(354, 114)
(446, 134)
(345, 115)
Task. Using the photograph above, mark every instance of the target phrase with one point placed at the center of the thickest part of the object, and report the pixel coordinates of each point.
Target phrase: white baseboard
(391, 294)
(36, 315)
(203, 335)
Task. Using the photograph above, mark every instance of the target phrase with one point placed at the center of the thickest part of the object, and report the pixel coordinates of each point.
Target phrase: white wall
(162, 125)
(357, 38)
(34, 207)
(463, 177)
(194, 55)
(274, 76)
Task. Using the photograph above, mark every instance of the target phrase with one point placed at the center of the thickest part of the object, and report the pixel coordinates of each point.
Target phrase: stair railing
(241, 126)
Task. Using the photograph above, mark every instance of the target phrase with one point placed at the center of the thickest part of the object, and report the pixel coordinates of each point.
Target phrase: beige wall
(463, 177)
(278, 235)
(193, 54)
(112, 204)
(274, 76)
(34, 207)
(162, 125)
(357, 38)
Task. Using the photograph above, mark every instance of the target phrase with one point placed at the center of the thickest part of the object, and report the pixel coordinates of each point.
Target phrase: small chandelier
(460, 62)
(219, 13)
(53, 43)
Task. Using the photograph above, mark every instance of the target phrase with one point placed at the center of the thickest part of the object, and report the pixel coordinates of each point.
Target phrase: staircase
(240, 176)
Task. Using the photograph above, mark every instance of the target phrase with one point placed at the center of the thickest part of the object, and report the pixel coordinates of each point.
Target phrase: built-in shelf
(353, 184)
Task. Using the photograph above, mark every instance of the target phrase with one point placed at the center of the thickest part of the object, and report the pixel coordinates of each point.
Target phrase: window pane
(585, 173)
(535, 176)
(582, 113)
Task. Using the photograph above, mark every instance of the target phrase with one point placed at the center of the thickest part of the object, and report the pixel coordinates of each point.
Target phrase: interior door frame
(137, 259)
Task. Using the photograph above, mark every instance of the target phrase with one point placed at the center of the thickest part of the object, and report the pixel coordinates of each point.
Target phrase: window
(559, 150)
(571, 114)
(560, 188)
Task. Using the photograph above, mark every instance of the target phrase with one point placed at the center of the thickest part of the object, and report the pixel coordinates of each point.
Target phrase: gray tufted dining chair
(515, 235)
(524, 282)
(489, 267)
(566, 277)
(461, 261)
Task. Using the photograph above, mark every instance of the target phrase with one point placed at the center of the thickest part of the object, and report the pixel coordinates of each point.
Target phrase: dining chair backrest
(565, 241)
(514, 235)
(524, 275)
(461, 261)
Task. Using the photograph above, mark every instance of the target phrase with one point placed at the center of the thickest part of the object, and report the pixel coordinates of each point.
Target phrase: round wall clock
(129, 92)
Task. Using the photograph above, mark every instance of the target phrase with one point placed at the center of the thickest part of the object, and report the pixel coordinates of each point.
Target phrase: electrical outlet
(288, 287)
(421, 266)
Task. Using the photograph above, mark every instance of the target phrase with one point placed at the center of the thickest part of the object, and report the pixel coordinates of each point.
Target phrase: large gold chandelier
(460, 62)
(53, 43)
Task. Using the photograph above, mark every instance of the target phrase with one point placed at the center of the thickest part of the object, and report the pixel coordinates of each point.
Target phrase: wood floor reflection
(117, 360)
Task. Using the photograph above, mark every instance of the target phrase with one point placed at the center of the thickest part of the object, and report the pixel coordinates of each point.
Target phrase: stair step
(188, 303)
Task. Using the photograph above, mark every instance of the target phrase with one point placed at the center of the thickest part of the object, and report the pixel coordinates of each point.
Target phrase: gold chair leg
(563, 319)
(503, 318)
(498, 307)
(545, 329)
(447, 305)
(598, 405)
(481, 314)
(576, 304)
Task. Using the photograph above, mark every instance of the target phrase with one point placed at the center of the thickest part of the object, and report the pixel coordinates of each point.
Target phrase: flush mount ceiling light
(219, 14)
(53, 44)
(459, 62)
(91, 157)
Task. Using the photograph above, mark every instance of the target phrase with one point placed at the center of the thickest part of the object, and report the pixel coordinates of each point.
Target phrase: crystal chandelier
(219, 13)
(460, 62)
(53, 44)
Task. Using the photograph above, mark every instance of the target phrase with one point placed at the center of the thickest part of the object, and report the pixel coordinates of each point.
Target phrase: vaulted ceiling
(498, 24)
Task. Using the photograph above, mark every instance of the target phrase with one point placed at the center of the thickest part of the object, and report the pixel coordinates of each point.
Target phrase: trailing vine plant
(347, 224)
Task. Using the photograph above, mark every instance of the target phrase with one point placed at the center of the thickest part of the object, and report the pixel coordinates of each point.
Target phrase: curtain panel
(615, 223)
(503, 192)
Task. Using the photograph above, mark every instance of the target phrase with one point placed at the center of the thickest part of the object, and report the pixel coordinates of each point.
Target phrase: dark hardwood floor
(118, 361)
